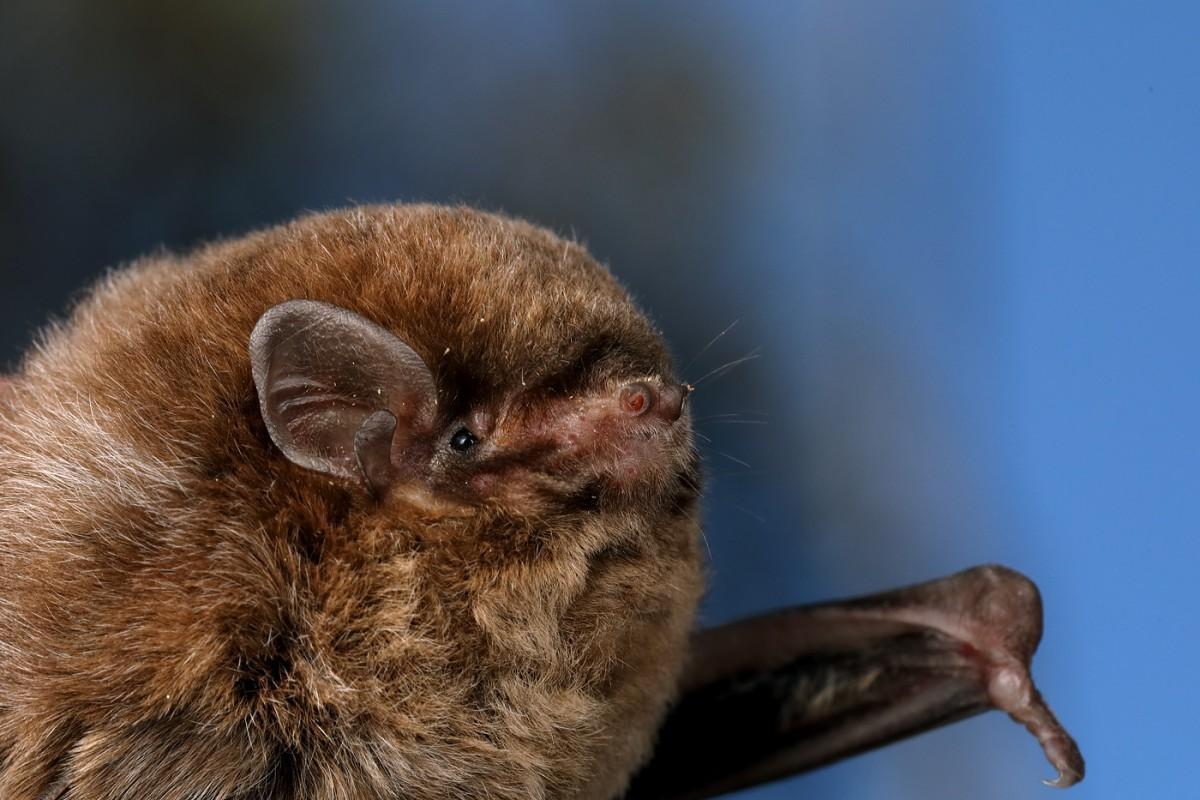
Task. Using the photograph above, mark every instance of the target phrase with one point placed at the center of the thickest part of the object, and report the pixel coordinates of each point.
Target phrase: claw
(1066, 758)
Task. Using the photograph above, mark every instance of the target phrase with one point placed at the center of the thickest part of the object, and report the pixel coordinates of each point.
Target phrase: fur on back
(186, 614)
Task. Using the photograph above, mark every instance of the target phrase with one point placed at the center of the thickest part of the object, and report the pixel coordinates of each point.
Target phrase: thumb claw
(1064, 755)
(1067, 777)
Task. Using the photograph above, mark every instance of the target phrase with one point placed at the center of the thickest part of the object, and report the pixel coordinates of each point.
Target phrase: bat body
(389, 502)
(190, 613)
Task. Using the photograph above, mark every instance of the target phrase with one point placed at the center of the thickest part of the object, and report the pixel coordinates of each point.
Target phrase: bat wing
(787, 692)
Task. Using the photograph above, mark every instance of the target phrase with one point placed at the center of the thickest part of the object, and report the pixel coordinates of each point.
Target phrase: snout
(664, 401)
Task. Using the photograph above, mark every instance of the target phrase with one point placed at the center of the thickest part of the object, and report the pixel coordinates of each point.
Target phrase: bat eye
(462, 440)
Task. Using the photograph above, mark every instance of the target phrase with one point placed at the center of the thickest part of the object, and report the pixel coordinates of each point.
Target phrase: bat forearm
(792, 691)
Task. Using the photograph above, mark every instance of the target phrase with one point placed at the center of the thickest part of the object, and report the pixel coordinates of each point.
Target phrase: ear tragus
(334, 389)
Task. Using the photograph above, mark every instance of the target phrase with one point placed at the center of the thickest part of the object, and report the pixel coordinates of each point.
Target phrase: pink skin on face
(620, 435)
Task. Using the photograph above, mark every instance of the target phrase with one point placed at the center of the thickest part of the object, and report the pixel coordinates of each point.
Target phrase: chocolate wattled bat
(402, 502)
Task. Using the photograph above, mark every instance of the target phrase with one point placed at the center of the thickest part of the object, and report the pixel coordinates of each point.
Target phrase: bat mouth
(634, 437)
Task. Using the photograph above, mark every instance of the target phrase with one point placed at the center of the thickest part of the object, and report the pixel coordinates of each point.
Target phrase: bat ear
(336, 390)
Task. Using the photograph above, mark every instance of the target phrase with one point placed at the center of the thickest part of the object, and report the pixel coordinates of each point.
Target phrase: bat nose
(665, 402)
(670, 400)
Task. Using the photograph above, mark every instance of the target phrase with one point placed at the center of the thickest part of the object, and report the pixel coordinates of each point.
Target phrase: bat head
(406, 505)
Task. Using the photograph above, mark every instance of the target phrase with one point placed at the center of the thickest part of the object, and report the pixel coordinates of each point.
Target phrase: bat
(402, 501)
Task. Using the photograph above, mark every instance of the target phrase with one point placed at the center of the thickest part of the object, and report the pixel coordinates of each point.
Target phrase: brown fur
(186, 614)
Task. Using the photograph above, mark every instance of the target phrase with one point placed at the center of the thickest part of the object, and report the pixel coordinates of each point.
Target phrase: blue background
(962, 237)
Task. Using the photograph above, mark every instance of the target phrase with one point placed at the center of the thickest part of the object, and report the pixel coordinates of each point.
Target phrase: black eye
(462, 440)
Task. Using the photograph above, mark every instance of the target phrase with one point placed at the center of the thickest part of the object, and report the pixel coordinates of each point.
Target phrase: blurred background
(961, 239)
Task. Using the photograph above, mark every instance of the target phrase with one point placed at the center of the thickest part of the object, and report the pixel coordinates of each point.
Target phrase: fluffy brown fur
(187, 614)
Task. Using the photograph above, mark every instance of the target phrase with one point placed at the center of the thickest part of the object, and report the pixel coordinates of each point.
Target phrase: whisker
(704, 349)
(733, 414)
(724, 368)
(731, 421)
(761, 519)
(735, 459)
(741, 473)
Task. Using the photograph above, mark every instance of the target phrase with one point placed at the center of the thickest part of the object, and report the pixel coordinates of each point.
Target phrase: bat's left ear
(339, 394)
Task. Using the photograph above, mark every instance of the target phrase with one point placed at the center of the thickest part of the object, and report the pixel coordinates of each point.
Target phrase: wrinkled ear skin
(338, 393)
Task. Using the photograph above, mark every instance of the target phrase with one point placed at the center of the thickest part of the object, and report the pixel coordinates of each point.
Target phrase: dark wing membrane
(791, 691)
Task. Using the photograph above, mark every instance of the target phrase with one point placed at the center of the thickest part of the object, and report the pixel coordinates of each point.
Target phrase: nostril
(671, 399)
(636, 399)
